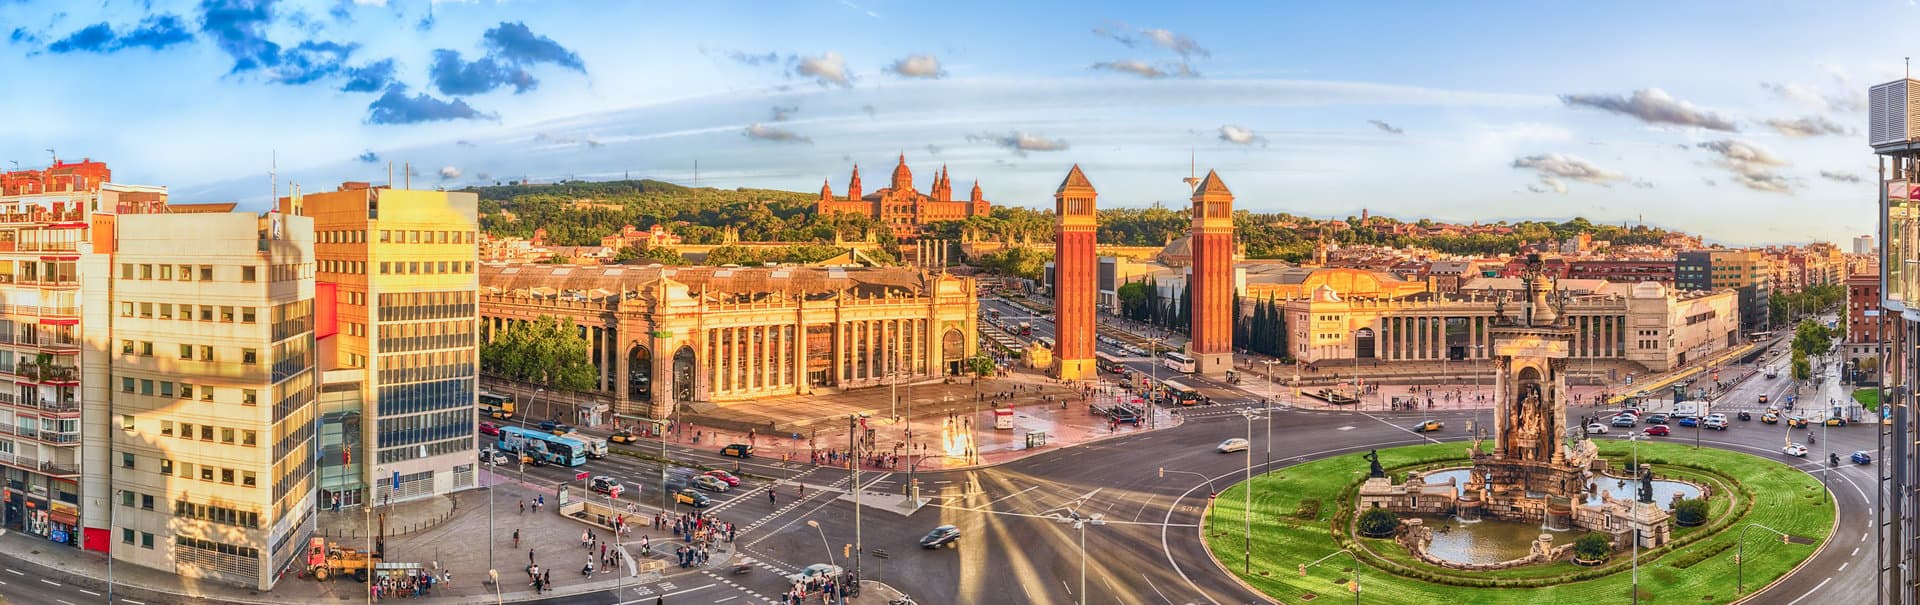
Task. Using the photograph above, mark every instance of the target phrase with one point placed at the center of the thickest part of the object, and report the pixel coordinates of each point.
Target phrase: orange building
(1074, 273)
(905, 209)
(1212, 329)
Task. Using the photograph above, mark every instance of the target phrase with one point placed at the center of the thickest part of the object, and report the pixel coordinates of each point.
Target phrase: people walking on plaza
(516, 540)
(523, 506)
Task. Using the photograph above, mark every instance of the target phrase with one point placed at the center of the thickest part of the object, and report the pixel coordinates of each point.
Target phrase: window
(126, 460)
(226, 476)
(146, 271)
(249, 397)
(186, 351)
(186, 469)
(386, 236)
(206, 352)
(166, 428)
(126, 309)
(146, 502)
(166, 466)
(248, 274)
(146, 539)
(206, 394)
(186, 430)
(126, 347)
(249, 356)
(146, 348)
(126, 422)
(206, 473)
(226, 314)
(186, 272)
(166, 272)
(249, 438)
(126, 498)
(206, 272)
(146, 386)
(126, 270)
(226, 435)
(206, 432)
(126, 535)
(248, 479)
(186, 391)
(206, 312)
(166, 389)
(166, 310)
(385, 267)
(248, 315)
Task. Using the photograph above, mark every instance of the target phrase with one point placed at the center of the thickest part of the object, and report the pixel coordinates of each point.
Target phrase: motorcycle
(903, 600)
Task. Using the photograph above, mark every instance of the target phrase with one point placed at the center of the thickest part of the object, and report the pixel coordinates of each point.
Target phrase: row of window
(290, 272)
(246, 437)
(144, 348)
(354, 267)
(146, 538)
(216, 514)
(409, 306)
(425, 267)
(207, 473)
(392, 236)
(183, 390)
(186, 312)
(248, 273)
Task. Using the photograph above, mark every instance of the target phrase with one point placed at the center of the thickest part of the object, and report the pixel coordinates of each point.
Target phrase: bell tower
(1074, 269)
(1212, 277)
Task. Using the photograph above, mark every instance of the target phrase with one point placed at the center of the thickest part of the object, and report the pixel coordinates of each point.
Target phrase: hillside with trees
(578, 213)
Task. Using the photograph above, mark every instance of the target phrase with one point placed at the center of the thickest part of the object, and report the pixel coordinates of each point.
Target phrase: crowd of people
(413, 583)
(825, 588)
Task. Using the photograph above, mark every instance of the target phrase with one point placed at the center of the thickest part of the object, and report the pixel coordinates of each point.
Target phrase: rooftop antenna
(389, 174)
(1193, 171)
(56, 156)
(406, 175)
(696, 173)
(273, 177)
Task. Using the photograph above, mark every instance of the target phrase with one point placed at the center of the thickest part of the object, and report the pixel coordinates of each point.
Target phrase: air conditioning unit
(1893, 113)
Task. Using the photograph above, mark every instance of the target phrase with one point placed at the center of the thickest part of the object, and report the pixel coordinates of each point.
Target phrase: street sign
(582, 476)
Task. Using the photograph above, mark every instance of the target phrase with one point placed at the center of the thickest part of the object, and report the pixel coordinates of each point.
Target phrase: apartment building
(401, 268)
(212, 390)
(1744, 271)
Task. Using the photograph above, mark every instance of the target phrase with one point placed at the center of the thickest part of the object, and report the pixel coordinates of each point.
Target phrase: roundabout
(1306, 514)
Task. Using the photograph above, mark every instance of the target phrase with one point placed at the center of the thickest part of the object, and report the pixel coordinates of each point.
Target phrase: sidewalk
(457, 543)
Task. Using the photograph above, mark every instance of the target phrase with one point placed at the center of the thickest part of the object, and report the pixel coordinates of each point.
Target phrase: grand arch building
(725, 334)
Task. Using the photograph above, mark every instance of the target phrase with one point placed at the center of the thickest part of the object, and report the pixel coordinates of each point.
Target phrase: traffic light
(1785, 539)
(846, 551)
(1163, 472)
(1303, 570)
(1353, 586)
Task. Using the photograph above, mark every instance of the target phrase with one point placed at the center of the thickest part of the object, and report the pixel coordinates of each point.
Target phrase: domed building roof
(1177, 253)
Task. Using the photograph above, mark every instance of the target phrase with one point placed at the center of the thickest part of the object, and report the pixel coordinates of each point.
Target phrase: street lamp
(1356, 570)
(1153, 382)
(1246, 511)
(1080, 524)
(823, 541)
(1740, 558)
(1211, 492)
(1635, 440)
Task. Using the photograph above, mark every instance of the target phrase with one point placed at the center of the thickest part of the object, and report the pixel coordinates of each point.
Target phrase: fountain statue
(1646, 484)
(1373, 460)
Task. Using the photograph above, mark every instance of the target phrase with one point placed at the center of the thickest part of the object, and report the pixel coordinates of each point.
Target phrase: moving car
(1794, 449)
(688, 496)
(1657, 430)
(815, 570)
(495, 458)
(1657, 419)
(1718, 424)
(1763, 398)
(1689, 421)
(1429, 426)
(1798, 422)
(1623, 421)
(1597, 429)
(623, 436)
(1862, 457)
(737, 450)
(943, 536)
(607, 485)
(724, 476)
(1235, 444)
(1836, 421)
(557, 428)
(488, 428)
(1770, 418)
(1746, 415)
(710, 483)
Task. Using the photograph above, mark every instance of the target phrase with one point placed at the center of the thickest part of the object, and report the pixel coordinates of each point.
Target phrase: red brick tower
(1212, 277)
(1074, 270)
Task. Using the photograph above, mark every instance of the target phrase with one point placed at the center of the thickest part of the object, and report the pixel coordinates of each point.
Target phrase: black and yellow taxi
(623, 436)
(690, 497)
(1429, 426)
(737, 450)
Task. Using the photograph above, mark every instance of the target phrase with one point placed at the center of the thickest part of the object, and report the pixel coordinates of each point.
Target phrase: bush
(1378, 523)
(1309, 509)
(1592, 547)
(1690, 512)
(1702, 553)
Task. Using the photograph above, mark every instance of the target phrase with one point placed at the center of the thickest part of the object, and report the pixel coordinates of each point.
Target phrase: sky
(1743, 125)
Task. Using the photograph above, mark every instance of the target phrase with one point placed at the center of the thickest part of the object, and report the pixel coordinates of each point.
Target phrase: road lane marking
(49, 581)
(63, 601)
(132, 601)
(726, 599)
(1816, 588)
(996, 500)
(14, 572)
(694, 589)
(89, 592)
(1856, 552)
(1843, 566)
(1156, 589)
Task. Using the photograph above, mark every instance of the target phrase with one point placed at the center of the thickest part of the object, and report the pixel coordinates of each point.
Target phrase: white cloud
(827, 69)
(1020, 142)
(761, 132)
(1552, 168)
(1809, 126)
(1145, 70)
(449, 172)
(1752, 166)
(1653, 106)
(917, 66)
(1548, 185)
(1238, 135)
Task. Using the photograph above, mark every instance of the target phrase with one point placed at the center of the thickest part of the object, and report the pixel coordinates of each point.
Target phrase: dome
(1178, 253)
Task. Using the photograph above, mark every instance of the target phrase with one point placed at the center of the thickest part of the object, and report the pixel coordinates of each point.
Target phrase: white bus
(1178, 362)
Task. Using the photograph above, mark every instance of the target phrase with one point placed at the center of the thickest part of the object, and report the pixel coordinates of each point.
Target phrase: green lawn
(1868, 397)
(1782, 498)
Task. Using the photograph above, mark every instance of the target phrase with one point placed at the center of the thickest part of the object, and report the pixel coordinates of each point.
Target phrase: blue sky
(1738, 123)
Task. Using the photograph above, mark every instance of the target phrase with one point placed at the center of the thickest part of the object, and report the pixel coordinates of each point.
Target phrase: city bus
(1026, 328)
(1178, 362)
(1044, 341)
(1182, 394)
(496, 406)
(543, 447)
(1108, 363)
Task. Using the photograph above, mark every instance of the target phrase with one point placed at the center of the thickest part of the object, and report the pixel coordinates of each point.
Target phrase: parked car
(1718, 424)
(1597, 429)
(1689, 421)
(690, 497)
(946, 536)
(1657, 430)
(737, 450)
(1862, 457)
(1657, 419)
(606, 485)
(1235, 444)
(488, 428)
(724, 476)
(815, 570)
(1794, 449)
(1428, 426)
(1836, 421)
(710, 483)
(1623, 421)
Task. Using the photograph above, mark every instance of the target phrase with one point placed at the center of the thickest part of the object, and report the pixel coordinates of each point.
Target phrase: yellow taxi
(1429, 426)
(1770, 418)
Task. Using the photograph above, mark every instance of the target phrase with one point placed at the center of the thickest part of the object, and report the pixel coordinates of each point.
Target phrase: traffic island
(1308, 513)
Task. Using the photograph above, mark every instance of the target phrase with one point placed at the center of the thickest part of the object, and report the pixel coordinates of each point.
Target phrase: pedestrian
(529, 556)
(546, 578)
(770, 498)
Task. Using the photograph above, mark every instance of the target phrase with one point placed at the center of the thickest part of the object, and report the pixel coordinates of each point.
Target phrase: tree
(663, 255)
(1592, 547)
(1801, 369)
(1378, 523)
(544, 352)
(1690, 512)
(981, 365)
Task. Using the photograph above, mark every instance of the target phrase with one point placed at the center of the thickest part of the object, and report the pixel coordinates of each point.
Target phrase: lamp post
(1269, 461)
(1246, 510)
(1153, 380)
(1740, 556)
(1080, 523)
(1356, 570)
(1635, 440)
(823, 541)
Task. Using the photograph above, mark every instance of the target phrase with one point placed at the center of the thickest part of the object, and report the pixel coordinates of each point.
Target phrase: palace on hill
(902, 207)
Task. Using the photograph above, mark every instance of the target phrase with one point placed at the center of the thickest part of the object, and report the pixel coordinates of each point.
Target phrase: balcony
(39, 466)
(66, 280)
(42, 215)
(48, 344)
(53, 374)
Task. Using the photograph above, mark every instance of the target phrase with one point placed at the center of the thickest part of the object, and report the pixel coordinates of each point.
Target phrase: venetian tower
(1212, 277)
(1074, 268)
